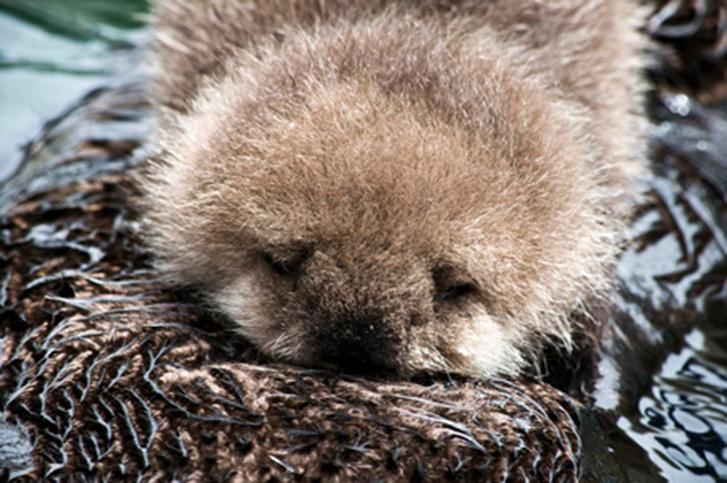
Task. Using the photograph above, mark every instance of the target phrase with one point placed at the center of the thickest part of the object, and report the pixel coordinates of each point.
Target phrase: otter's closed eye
(450, 287)
(454, 292)
(286, 266)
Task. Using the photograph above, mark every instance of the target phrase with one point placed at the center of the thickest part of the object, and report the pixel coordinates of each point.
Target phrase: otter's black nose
(360, 352)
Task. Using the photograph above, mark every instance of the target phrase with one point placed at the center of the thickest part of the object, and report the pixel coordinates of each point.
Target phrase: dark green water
(51, 52)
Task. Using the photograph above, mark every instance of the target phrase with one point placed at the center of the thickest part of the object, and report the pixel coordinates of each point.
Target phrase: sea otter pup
(395, 186)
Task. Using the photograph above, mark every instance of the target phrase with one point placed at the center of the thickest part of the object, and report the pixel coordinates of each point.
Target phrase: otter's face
(369, 305)
(367, 233)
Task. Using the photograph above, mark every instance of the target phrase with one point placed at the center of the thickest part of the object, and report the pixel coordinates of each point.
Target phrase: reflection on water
(682, 421)
(51, 52)
(673, 408)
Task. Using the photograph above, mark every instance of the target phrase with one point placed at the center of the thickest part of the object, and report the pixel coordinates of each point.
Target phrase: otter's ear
(451, 286)
(286, 262)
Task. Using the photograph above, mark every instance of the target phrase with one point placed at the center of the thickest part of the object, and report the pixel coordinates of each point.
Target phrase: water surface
(52, 52)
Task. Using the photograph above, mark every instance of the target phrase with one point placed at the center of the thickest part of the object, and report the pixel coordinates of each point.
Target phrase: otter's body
(395, 185)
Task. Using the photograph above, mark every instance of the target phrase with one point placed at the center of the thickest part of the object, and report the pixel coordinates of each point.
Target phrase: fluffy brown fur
(394, 185)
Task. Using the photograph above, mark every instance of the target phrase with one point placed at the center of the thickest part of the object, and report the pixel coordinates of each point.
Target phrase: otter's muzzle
(356, 346)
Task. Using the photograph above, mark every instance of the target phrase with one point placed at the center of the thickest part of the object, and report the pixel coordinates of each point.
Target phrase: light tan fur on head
(405, 185)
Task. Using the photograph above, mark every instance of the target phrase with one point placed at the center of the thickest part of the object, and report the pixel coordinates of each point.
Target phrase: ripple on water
(682, 420)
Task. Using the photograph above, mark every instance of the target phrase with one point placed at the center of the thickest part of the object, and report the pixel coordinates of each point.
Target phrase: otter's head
(360, 223)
